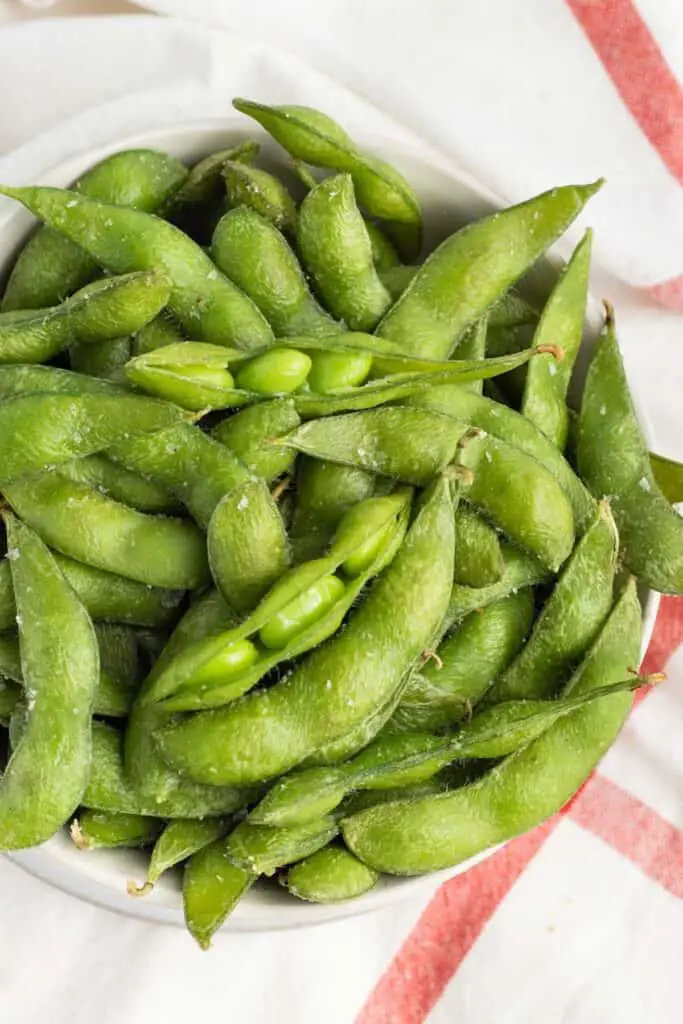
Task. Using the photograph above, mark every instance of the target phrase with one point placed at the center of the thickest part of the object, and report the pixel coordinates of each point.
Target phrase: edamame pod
(212, 888)
(47, 773)
(613, 459)
(269, 732)
(257, 257)
(155, 550)
(103, 359)
(263, 849)
(561, 323)
(50, 267)
(478, 557)
(121, 240)
(332, 875)
(324, 492)
(178, 841)
(200, 201)
(336, 250)
(162, 330)
(474, 267)
(669, 476)
(94, 830)
(249, 433)
(119, 483)
(570, 619)
(515, 492)
(261, 191)
(425, 834)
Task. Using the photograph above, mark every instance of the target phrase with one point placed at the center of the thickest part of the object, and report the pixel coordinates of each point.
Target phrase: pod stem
(552, 350)
(77, 837)
(139, 890)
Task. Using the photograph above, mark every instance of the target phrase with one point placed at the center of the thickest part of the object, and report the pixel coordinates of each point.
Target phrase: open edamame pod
(613, 459)
(473, 268)
(515, 492)
(561, 323)
(102, 311)
(121, 240)
(305, 607)
(47, 773)
(324, 492)
(337, 252)
(50, 267)
(270, 731)
(314, 138)
(409, 837)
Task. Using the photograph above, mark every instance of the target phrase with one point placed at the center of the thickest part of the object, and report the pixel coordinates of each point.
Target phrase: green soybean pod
(178, 841)
(332, 875)
(473, 346)
(467, 664)
(514, 492)
(384, 255)
(669, 476)
(212, 888)
(478, 556)
(200, 201)
(473, 268)
(337, 252)
(262, 849)
(155, 550)
(508, 425)
(121, 240)
(257, 257)
(103, 359)
(119, 483)
(324, 492)
(247, 545)
(314, 138)
(571, 617)
(110, 789)
(561, 322)
(39, 431)
(119, 669)
(613, 460)
(249, 434)
(410, 837)
(161, 331)
(50, 267)
(261, 191)
(47, 773)
(94, 830)
(269, 732)
(105, 596)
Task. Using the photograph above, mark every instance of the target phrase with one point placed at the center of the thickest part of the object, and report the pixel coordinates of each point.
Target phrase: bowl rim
(58, 867)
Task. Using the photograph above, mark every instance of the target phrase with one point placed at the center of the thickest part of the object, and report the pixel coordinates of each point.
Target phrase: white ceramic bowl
(450, 198)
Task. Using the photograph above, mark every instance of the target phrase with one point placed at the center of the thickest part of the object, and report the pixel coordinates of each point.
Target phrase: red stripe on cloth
(667, 293)
(445, 933)
(632, 829)
(641, 75)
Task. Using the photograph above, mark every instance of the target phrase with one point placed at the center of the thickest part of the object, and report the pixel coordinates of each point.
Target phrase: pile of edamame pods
(311, 571)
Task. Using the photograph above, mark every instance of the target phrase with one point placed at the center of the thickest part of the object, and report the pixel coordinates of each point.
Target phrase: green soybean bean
(336, 250)
(178, 841)
(515, 492)
(426, 834)
(263, 849)
(478, 555)
(193, 467)
(316, 139)
(324, 492)
(571, 618)
(562, 320)
(247, 544)
(509, 426)
(122, 240)
(47, 773)
(332, 875)
(104, 359)
(38, 431)
(162, 330)
(145, 769)
(155, 550)
(384, 255)
(249, 434)
(613, 460)
(669, 476)
(268, 732)
(220, 668)
(473, 268)
(257, 257)
(413, 758)
(93, 830)
(278, 371)
(110, 789)
(101, 311)
(334, 370)
(468, 662)
(260, 191)
(119, 483)
(50, 267)
(212, 888)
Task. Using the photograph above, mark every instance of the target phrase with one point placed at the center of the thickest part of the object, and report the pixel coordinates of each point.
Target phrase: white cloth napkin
(515, 94)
